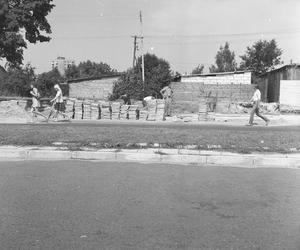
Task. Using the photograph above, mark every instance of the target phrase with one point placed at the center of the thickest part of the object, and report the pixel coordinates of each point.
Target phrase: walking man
(166, 92)
(256, 98)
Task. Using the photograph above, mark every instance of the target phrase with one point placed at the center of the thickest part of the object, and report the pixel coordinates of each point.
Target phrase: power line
(170, 36)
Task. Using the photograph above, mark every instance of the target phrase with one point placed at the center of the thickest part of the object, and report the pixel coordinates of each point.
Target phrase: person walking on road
(256, 98)
(58, 101)
(166, 92)
(35, 98)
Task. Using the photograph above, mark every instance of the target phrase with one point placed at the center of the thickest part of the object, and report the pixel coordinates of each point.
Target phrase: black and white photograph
(149, 125)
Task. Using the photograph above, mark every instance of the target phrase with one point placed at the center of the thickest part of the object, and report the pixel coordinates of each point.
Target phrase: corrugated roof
(92, 78)
(294, 65)
(219, 73)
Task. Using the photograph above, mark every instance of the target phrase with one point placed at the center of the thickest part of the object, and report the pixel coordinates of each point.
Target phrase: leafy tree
(89, 69)
(26, 17)
(225, 60)
(16, 81)
(198, 70)
(261, 57)
(47, 80)
(157, 76)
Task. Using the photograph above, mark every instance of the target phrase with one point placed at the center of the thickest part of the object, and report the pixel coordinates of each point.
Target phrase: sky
(186, 33)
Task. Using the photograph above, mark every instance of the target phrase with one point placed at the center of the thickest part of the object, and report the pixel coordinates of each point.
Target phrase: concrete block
(140, 157)
(13, 154)
(277, 162)
(184, 159)
(95, 155)
(49, 155)
(223, 160)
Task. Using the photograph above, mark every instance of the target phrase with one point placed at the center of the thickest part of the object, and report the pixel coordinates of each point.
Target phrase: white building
(62, 64)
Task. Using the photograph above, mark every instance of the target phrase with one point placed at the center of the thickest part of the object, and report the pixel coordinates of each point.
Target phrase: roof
(294, 65)
(93, 78)
(216, 74)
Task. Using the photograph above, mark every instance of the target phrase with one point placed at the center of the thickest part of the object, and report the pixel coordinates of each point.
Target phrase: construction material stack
(94, 110)
(124, 112)
(143, 113)
(70, 108)
(87, 110)
(115, 110)
(78, 110)
(105, 111)
(132, 112)
(202, 111)
(160, 109)
(151, 106)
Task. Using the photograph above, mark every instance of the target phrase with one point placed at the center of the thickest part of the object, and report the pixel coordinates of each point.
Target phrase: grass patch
(234, 139)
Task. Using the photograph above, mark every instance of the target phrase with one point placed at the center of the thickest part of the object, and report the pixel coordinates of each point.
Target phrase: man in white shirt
(166, 93)
(256, 98)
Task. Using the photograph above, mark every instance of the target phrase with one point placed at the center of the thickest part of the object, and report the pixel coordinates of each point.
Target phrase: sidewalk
(220, 119)
(154, 155)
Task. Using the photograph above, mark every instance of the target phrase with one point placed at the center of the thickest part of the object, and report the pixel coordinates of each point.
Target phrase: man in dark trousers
(126, 99)
(166, 92)
(256, 98)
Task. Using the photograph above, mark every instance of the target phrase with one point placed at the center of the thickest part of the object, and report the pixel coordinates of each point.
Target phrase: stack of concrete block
(151, 106)
(202, 112)
(160, 109)
(115, 110)
(105, 111)
(94, 111)
(86, 110)
(124, 112)
(143, 113)
(132, 112)
(70, 108)
(78, 110)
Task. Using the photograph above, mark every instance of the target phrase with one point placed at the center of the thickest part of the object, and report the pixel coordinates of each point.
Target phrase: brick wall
(89, 89)
(187, 95)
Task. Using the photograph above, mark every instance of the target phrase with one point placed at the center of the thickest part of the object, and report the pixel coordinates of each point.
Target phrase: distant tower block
(62, 64)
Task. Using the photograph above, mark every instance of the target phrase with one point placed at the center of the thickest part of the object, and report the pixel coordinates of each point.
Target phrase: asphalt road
(95, 205)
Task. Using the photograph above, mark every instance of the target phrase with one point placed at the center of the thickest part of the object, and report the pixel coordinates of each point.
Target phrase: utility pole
(134, 50)
(142, 51)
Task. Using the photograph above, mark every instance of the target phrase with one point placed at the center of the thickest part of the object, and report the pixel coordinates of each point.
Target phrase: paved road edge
(154, 155)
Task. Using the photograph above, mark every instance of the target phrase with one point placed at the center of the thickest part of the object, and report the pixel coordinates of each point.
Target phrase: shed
(282, 84)
(92, 88)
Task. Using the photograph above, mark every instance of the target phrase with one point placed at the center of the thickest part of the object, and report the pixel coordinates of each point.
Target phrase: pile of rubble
(14, 111)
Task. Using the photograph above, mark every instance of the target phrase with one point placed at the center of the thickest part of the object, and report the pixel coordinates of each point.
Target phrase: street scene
(150, 124)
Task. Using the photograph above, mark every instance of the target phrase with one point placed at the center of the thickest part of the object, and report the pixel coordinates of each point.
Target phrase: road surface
(96, 205)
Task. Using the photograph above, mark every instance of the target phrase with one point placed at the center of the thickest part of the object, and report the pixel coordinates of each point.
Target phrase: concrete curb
(152, 155)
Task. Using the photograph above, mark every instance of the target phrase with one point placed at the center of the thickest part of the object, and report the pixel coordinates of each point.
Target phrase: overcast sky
(184, 32)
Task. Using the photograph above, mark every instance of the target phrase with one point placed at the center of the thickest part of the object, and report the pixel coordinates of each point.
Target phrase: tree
(46, 81)
(21, 21)
(157, 76)
(198, 70)
(261, 57)
(225, 60)
(89, 69)
(16, 81)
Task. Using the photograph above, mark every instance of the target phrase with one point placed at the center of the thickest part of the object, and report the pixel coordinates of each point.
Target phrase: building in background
(282, 85)
(62, 64)
(98, 88)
